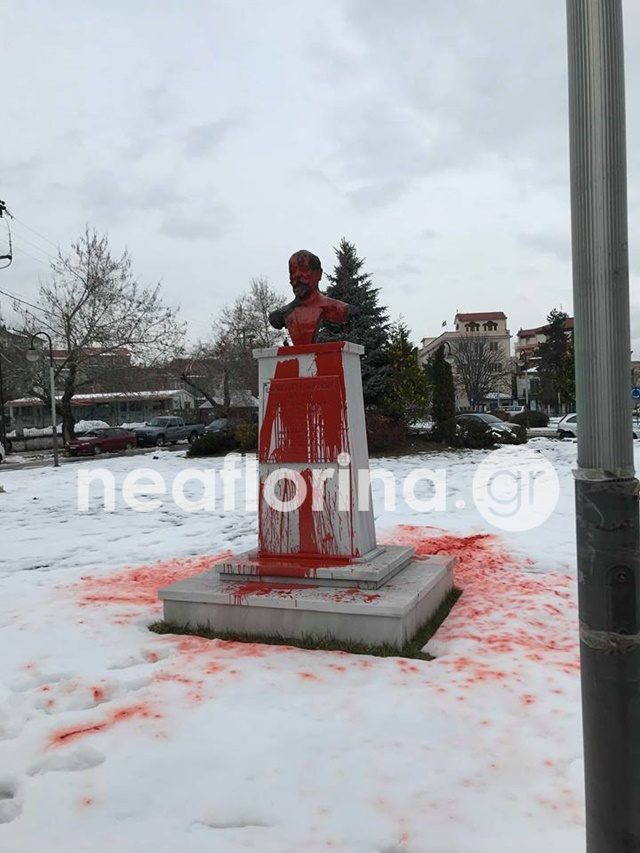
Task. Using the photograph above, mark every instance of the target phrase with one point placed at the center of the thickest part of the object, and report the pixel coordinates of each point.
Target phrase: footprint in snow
(73, 695)
(80, 758)
(30, 682)
(146, 656)
(10, 805)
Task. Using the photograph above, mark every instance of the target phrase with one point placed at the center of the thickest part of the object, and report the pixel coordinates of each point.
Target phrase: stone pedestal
(312, 424)
(318, 570)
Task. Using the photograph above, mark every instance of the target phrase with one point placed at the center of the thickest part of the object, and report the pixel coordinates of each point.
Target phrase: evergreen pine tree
(369, 326)
(443, 408)
(556, 371)
(406, 396)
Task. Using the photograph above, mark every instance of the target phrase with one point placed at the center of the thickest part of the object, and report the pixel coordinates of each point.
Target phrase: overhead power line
(22, 301)
(56, 246)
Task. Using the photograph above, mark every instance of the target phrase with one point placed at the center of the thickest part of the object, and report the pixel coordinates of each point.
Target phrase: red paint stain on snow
(139, 585)
(503, 609)
(87, 801)
(98, 694)
(213, 668)
(405, 666)
(120, 715)
(308, 676)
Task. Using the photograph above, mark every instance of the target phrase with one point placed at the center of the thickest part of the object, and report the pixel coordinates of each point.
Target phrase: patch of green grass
(412, 649)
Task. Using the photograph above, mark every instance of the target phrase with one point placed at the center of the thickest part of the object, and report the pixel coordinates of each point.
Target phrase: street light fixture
(524, 366)
(33, 355)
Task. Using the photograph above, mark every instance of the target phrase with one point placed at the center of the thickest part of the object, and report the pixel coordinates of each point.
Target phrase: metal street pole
(32, 355)
(3, 426)
(52, 391)
(608, 531)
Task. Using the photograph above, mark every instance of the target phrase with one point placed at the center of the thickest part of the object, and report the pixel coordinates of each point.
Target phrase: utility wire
(33, 257)
(56, 246)
(23, 301)
(18, 236)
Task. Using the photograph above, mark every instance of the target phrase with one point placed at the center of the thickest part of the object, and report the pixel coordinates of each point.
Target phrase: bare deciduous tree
(93, 304)
(479, 368)
(226, 364)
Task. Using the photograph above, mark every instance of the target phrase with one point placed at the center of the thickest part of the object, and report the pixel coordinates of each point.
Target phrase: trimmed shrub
(517, 437)
(246, 436)
(474, 435)
(504, 416)
(384, 434)
(213, 444)
(536, 419)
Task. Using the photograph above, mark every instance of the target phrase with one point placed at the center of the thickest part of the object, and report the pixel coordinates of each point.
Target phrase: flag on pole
(444, 324)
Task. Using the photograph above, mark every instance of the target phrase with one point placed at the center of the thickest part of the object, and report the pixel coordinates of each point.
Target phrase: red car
(97, 441)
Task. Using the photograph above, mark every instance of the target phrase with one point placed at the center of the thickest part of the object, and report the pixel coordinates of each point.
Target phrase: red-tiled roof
(483, 315)
(540, 330)
(529, 333)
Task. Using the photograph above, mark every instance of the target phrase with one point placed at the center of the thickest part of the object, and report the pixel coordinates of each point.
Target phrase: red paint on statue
(305, 421)
(310, 309)
(305, 320)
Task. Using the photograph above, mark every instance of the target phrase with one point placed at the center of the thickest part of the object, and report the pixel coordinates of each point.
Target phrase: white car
(568, 427)
(2, 453)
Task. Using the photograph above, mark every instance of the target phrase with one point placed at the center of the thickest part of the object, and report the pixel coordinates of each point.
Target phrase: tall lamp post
(606, 489)
(33, 355)
(524, 366)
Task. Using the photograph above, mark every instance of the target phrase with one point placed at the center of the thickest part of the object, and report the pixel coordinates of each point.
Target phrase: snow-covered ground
(115, 738)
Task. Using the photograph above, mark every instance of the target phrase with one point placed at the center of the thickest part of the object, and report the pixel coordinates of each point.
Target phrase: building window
(493, 346)
(472, 327)
(490, 326)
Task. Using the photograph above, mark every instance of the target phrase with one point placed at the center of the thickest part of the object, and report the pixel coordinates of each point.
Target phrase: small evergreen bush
(519, 436)
(213, 444)
(473, 435)
(246, 436)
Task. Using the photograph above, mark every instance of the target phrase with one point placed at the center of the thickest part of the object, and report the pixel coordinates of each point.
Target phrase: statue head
(305, 272)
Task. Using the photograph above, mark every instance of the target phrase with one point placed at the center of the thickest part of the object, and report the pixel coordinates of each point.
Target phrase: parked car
(218, 425)
(490, 421)
(513, 410)
(568, 427)
(97, 441)
(167, 430)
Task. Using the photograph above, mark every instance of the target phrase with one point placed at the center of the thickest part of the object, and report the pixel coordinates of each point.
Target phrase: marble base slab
(390, 615)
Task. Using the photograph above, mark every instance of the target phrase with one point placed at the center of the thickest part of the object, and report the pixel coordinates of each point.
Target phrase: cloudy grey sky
(215, 137)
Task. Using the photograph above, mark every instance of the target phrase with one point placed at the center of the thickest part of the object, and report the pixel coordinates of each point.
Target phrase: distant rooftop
(482, 315)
